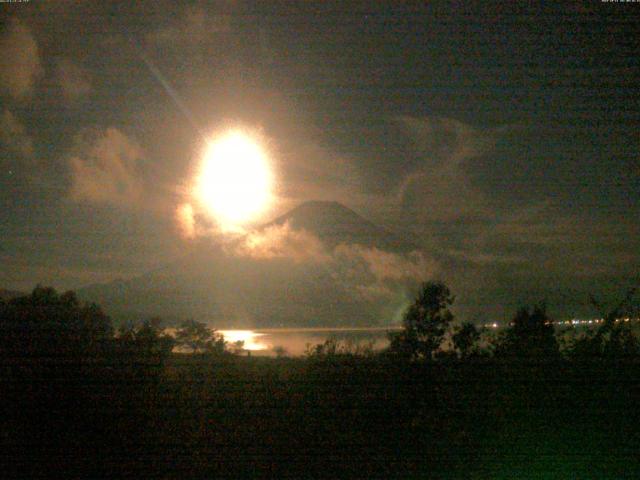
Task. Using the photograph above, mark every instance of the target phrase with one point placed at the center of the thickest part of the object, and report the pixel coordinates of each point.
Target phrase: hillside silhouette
(92, 402)
(337, 224)
(222, 285)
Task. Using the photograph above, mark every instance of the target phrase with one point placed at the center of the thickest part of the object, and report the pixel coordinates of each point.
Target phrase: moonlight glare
(186, 221)
(234, 182)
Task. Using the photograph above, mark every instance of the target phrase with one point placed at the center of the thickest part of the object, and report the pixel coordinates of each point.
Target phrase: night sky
(497, 136)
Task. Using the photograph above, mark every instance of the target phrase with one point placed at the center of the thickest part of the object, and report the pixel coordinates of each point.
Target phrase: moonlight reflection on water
(295, 341)
(250, 340)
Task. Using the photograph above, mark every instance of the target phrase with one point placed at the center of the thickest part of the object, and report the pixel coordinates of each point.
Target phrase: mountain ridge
(334, 223)
(225, 289)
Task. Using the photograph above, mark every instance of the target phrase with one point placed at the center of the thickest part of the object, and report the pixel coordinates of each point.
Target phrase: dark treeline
(445, 400)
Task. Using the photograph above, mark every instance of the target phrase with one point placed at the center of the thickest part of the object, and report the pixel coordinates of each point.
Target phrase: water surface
(295, 341)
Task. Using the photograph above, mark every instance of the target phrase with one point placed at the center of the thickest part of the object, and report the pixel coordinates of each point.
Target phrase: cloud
(20, 64)
(385, 265)
(377, 274)
(440, 189)
(186, 220)
(315, 173)
(73, 80)
(542, 239)
(369, 272)
(13, 135)
(482, 258)
(281, 241)
(191, 29)
(445, 140)
(107, 169)
(530, 224)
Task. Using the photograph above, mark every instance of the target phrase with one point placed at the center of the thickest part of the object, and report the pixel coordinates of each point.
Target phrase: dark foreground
(205, 416)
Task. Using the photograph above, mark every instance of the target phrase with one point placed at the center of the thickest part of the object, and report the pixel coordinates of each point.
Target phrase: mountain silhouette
(214, 284)
(334, 223)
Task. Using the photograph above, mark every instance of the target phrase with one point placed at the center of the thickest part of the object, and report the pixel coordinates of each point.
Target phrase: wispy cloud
(14, 136)
(368, 272)
(282, 241)
(314, 172)
(107, 169)
(384, 265)
(185, 219)
(440, 187)
(73, 80)
(20, 60)
(192, 28)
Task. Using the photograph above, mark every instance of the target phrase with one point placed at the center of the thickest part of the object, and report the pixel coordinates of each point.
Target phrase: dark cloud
(194, 28)
(14, 137)
(73, 80)
(20, 64)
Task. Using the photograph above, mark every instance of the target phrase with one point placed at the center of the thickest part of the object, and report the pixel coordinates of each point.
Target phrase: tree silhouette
(622, 343)
(147, 341)
(530, 335)
(238, 347)
(199, 338)
(280, 351)
(46, 323)
(613, 339)
(465, 339)
(425, 323)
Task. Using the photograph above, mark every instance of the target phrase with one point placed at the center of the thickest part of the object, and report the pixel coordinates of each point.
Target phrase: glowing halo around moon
(234, 182)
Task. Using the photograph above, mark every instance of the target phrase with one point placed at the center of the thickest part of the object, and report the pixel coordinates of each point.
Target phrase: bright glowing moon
(235, 180)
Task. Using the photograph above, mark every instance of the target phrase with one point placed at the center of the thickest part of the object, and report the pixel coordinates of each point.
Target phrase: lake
(294, 341)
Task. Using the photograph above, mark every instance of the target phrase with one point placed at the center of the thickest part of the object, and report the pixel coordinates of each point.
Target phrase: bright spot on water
(249, 337)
